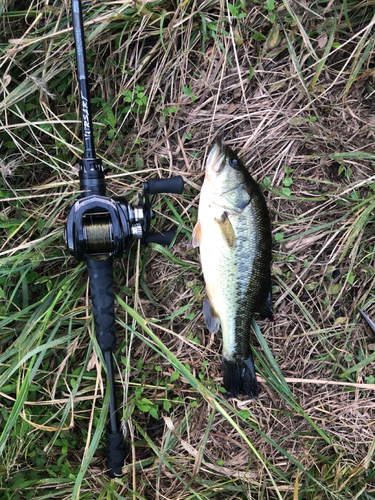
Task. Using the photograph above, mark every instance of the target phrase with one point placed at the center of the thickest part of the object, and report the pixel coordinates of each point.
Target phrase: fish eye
(233, 162)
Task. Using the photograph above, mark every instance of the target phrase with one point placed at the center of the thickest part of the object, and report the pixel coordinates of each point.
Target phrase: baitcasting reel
(99, 226)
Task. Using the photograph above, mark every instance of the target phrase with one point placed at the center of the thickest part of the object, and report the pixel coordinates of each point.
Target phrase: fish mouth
(216, 158)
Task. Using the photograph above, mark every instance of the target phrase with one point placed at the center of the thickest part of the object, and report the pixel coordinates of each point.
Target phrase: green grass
(288, 86)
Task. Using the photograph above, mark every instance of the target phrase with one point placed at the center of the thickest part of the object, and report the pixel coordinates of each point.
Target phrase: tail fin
(240, 378)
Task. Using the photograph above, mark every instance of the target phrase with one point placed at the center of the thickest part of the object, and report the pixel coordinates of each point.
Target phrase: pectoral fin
(227, 230)
(196, 237)
(211, 317)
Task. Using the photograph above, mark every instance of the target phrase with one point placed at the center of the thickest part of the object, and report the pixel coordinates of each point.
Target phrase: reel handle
(174, 185)
(164, 238)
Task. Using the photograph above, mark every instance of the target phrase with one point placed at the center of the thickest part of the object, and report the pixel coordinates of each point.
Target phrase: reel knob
(137, 231)
(173, 185)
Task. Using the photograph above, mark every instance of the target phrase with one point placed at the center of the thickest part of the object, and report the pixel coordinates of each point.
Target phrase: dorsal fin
(265, 308)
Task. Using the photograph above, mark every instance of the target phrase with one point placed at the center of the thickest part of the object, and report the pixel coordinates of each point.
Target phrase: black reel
(99, 227)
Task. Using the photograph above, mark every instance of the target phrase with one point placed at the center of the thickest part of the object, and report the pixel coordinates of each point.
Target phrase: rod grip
(102, 296)
(172, 185)
(117, 449)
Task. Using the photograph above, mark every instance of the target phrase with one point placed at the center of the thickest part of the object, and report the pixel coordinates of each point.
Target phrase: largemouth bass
(234, 235)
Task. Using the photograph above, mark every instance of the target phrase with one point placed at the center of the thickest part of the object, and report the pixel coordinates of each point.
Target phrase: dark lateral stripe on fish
(239, 378)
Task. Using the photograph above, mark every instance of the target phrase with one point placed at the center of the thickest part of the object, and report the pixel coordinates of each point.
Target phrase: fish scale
(234, 235)
(236, 318)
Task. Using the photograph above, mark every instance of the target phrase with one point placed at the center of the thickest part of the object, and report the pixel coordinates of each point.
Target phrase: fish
(233, 233)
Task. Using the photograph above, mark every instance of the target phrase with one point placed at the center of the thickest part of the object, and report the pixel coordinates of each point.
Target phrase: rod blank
(88, 136)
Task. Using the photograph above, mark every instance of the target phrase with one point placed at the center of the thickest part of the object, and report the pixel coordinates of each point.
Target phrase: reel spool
(97, 234)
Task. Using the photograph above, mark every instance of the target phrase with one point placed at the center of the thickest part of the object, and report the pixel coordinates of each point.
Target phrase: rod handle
(173, 185)
(117, 450)
(103, 305)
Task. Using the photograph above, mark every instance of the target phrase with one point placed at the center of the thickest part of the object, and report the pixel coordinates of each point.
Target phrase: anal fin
(211, 317)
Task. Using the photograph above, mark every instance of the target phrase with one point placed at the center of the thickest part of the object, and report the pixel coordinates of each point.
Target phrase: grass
(289, 85)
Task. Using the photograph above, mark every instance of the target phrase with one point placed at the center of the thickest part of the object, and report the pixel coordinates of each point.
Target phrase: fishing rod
(100, 229)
